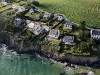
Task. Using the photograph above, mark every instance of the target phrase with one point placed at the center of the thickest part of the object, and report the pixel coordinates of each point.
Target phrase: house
(95, 34)
(15, 6)
(90, 73)
(4, 3)
(18, 8)
(60, 17)
(30, 25)
(54, 34)
(35, 28)
(31, 11)
(28, 21)
(47, 28)
(21, 9)
(47, 15)
(17, 21)
(68, 24)
(68, 39)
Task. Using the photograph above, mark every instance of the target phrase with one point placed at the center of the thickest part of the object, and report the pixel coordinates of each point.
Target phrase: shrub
(36, 3)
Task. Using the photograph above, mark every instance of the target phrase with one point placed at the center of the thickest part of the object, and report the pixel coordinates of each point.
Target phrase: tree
(82, 25)
(3, 21)
(36, 3)
(9, 27)
(91, 41)
(83, 34)
(29, 34)
(83, 47)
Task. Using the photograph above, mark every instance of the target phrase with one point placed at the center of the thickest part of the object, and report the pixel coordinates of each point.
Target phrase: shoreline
(66, 65)
(77, 60)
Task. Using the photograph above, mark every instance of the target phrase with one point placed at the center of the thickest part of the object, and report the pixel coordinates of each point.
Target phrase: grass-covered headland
(75, 10)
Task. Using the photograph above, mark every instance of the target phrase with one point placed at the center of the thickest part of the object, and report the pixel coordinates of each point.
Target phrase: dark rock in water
(51, 63)
(62, 73)
(31, 58)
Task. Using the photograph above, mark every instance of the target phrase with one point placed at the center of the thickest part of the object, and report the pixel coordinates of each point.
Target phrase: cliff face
(90, 61)
(12, 45)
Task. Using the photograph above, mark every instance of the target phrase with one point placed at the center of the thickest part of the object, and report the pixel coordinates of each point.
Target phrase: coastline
(78, 60)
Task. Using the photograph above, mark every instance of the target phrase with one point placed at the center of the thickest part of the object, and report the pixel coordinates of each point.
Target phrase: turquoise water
(29, 64)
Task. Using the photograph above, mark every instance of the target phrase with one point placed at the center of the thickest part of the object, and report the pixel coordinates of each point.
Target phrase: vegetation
(84, 45)
(36, 3)
(75, 10)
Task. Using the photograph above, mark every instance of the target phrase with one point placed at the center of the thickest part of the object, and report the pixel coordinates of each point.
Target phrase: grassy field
(75, 10)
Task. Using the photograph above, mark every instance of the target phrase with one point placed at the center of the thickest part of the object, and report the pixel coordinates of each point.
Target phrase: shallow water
(11, 64)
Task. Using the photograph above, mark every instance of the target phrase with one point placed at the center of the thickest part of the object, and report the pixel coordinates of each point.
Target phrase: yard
(5, 8)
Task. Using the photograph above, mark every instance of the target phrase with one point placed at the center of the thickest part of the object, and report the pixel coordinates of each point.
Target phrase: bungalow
(54, 34)
(17, 21)
(68, 24)
(68, 39)
(47, 15)
(95, 34)
(60, 17)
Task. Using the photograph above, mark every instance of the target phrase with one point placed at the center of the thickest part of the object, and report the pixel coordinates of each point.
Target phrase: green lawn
(5, 8)
(75, 10)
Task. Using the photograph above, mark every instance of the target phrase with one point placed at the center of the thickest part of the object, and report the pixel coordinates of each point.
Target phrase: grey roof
(68, 23)
(17, 21)
(95, 32)
(68, 39)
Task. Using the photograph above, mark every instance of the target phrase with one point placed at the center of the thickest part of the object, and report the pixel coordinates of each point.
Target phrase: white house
(68, 39)
(18, 8)
(28, 21)
(95, 34)
(15, 6)
(21, 9)
(90, 73)
(54, 34)
(17, 21)
(4, 3)
(60, 17)
(31, 25)
(47, 15)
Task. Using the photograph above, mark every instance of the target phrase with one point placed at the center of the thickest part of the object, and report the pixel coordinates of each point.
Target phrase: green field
(75, 10)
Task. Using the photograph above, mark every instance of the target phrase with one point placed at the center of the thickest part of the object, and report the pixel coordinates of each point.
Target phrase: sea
(29, 64)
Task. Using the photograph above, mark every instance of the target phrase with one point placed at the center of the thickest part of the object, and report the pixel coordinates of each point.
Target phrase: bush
(36, 3)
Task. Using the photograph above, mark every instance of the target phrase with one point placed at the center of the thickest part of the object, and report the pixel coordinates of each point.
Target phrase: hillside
(75, 10)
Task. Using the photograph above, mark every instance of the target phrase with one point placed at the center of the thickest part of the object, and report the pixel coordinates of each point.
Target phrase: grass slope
(75, 10)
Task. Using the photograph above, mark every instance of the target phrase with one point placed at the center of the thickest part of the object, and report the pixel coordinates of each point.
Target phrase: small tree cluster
(36, 3)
